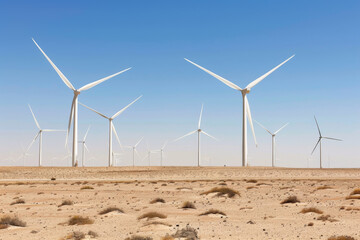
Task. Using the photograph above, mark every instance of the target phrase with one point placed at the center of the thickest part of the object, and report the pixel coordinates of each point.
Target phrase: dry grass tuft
(18, 201)
(93, 234)
(221, 191)
(157, 223)
(86, 187)
(136, 237)
(7, 221)
(326, 218)
(157, 200)
(213, 211)
(355, 191)
(167, 237)
(353, 197)
(111, 209)
(311, 209)
(251, 181)
(323, 187)
(66, 202)
(188, 233)
(187, 205)
(78, 220)
(291, 199)
(150, 215)
(76, 235)
(343, 237)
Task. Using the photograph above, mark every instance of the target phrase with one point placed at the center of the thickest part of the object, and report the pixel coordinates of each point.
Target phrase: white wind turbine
(199, 130)
(84, 147)
(246, 107)
(74, 106)
(112, 127)
(161, 151)
(273, 158)
(39, 135)
(134, 150)
(319, 141)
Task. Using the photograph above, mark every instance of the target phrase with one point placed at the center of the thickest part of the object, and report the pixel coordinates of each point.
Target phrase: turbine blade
(317, 126)
(202, 106)
(93, 84)
(333, 138)
(315, 146)
(93, 110)
(62, 76)
(281, 128)
(86, 133)
(250, 119)
(116, 135)
(36, 122)
(53, 130)
(263, 127)
(137, 153)
(122, 110)
(209, 135)
(164, 145)
(185, 135)
(256, 81)
(86, 148)
(32, 142)
(227, 82)
(138, 142)
(70, 120)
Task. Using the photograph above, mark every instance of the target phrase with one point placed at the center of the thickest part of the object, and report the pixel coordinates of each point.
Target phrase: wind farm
(162, 152)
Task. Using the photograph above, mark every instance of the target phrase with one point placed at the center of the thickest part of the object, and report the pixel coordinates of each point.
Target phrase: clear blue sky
(239, 40)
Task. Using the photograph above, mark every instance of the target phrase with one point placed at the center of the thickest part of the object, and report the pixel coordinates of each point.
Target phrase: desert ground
(245, 203)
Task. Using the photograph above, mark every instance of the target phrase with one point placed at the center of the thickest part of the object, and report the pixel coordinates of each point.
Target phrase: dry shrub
(187, 205)
(78, 220)
(251, 187)
(251, 181)
(188, 233)
(311, 209)
(157, 200)
(136, 237)
(93, 234)
(221, 191)
(326, 218)
(323, 187)
(157, 223)
(167, 237)
(353, 197)
(66, 202)
(76, 235)
(291, 199)
(355, 191)
(7, 221)
(111, 209)
(86, 187)
(150, 215)
(18, 201)
(343, 237)
(213, 211)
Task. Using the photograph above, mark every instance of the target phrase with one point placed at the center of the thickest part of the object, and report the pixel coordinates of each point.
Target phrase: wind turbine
(199, 130)
(319, 141)
(111, 126)
(83, 142)
(39, 135)
(246, 107)
(74, 106)
(134, 150)
(161, 150)
(273, 159)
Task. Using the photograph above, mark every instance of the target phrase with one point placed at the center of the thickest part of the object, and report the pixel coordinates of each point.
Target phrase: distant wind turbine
(319, 141)
(246, 107)
(111, 126)
(39, 135)
(273, 159)
(161, 151)
(199, 130)
(134, 150)
(84, 147)
(74, 106)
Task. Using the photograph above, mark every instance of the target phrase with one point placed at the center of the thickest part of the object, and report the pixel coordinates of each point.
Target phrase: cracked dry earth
(256, 213)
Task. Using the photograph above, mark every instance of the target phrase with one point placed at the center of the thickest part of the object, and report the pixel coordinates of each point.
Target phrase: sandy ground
(255, 214)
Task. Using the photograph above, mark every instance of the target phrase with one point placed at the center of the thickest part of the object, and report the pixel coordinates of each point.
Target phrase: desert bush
(212, 211)
(353, 197)
(76, 235)
(167, 237)
(157, 200)
(343, 237)
(251, 181)
(187, 205)
(326, 218)
(78, 220)
(66, 202)
(157, 223)
(355, 191)
(18, 201)
(150, 215)
(221, 191)
(110, 209)
(323, 187)
(291, 199)
(311, 209)
(7, 221)
(86, 187)
(188, 233)
(93, 234)
(136, 237)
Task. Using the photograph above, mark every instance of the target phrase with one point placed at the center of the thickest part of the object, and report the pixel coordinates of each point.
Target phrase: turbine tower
(161, 151)
(246, 107)
(83, 142)
(273, 158)
(319, 141)
(39, 135)
(74, 106)
(199, 131)
(111, 126)
(134, 150)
